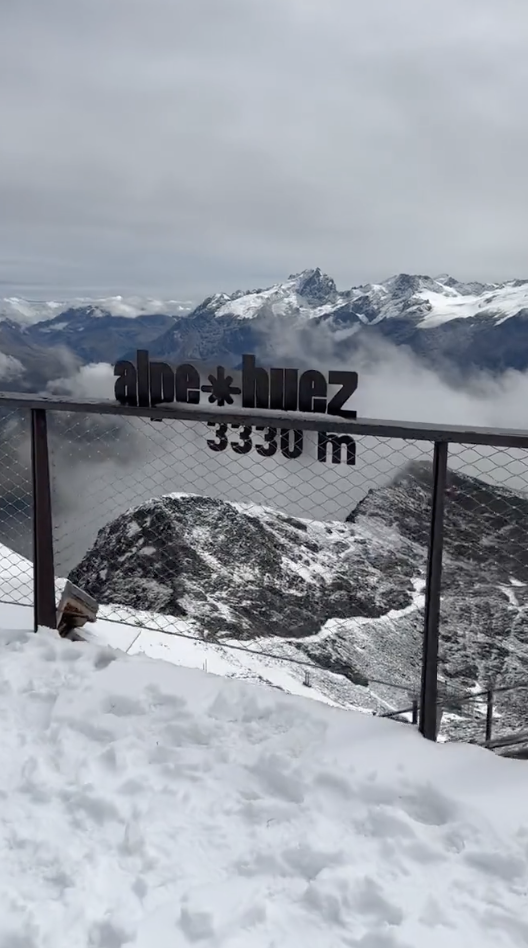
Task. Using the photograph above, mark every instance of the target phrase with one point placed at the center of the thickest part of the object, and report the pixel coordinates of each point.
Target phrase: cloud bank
(166, 148)
(114, 464)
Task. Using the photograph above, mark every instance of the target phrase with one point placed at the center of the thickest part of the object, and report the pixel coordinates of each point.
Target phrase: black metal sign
(290, 443)
(147, 384)
(153, 383)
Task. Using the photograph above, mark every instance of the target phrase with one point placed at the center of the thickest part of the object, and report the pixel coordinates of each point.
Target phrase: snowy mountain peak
(316, 287)
(304, 294)
(261, 572)
(404, 285)
(426, 302)
(441, 319)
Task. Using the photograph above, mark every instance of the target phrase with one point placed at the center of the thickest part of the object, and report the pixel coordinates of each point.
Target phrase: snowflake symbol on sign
(221, 387)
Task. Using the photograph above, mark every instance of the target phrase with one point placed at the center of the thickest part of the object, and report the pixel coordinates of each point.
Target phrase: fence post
(45, 612)
(429, 686)
(489, 714)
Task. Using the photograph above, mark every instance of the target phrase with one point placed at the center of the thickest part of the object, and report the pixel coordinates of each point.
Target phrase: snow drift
(143, 804)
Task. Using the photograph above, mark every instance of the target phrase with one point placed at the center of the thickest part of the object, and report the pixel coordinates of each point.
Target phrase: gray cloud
(95, 380)
(103, 466)
(10, 368)
(160, 147)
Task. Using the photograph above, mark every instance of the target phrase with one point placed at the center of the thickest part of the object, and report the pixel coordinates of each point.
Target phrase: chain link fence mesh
(300, 559)
(285, 555)
(484, 619)
(16, 508)
(294, 554)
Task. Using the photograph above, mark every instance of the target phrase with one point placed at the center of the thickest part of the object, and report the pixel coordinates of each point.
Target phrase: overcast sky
(177, 147)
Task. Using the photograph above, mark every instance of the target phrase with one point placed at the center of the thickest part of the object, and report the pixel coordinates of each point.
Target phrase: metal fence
(383, 564)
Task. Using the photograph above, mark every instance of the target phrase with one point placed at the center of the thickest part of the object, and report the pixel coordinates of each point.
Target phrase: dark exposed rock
(484, 525)
(248, 571)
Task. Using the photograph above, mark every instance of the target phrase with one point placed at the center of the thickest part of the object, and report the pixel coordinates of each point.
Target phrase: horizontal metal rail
(465, 698)
(441, 436)
(507, 740)
(303, 663)
(394, 714)
(407, 431)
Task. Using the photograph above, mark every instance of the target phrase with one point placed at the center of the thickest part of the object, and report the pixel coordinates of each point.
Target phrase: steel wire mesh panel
(484, 622)
(16, 507)
(292, 556)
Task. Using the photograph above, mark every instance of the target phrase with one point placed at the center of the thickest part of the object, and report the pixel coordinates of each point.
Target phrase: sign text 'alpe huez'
(148, 384)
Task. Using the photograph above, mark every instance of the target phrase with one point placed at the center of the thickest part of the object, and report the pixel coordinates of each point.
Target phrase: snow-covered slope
(500, 302)
(257, 594)
(274, 661)
(16, 577)
(310, 294)
(428, 301)
(434, 301)
(441, 319)
(241, 573)
(245, 570)
(347, 597)
(146, 805)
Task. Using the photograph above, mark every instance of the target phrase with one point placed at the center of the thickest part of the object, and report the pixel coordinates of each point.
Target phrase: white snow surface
(273, 661)
(148, 805)
(433, 302)
(502, 302)
(282, 299)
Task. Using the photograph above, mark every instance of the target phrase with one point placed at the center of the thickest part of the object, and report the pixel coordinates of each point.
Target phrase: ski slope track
(144, 804)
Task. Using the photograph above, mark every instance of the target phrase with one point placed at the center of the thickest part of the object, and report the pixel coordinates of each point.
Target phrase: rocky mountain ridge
(347, 596)
(441, 319)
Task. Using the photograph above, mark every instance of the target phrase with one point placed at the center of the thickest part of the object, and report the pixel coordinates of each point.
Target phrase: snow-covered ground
(229, 661)
(272, 660)
(149, 805)
(503, 302)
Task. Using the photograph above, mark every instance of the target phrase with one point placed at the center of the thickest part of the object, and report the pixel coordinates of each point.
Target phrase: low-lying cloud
(95, 380)
(10, 368)
(115, 463)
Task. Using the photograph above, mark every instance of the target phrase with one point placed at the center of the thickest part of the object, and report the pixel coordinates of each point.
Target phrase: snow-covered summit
(310, 294)
(440, 318)
(426, 300)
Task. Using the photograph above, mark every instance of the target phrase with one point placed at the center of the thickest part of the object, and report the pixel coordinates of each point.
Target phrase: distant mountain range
(444, 321)
(347, 596)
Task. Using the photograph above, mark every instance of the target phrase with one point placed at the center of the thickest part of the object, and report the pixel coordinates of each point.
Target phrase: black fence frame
(45, 614)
